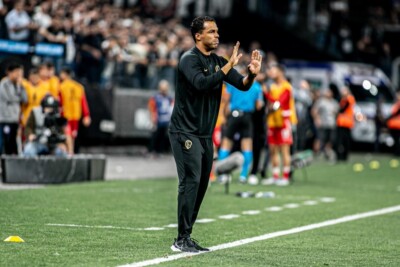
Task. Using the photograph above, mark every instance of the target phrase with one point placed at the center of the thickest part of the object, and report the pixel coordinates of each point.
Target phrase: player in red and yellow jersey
(393, 123)
(45, 76)
(281, 117)
(74, 106)
(36, 91)
(344, 123)
(54, 81)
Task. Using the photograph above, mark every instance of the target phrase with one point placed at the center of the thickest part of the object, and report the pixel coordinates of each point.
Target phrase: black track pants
(194, 159)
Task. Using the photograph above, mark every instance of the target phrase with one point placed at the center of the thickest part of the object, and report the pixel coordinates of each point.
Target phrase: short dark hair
(13, 66)
(197, 25)
(42, 66)
(49, 64)
(277, 65)
(67, 71)
(34, 71)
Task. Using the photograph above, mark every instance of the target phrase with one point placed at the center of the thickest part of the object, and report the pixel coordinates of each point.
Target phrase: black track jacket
(198, 92)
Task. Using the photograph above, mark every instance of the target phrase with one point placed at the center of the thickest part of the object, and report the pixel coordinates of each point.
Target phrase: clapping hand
(234, 59)
(255, 63)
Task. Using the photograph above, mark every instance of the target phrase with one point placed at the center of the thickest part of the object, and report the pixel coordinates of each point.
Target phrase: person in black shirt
(200, 76)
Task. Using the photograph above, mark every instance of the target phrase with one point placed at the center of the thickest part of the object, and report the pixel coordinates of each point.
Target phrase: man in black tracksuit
(197, 99)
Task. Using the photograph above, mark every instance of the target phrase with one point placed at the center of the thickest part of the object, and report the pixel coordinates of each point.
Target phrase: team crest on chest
(188, 144)
(217, 68)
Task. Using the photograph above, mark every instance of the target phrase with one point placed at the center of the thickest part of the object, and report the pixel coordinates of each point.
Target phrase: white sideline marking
(310, 202)
(327, 199)
(229, 216)
(245, 241)
(251, 212)
(153, 229)
(205, 220)
(94, 226)
(291, 205)
(273, 209)
(172, 225)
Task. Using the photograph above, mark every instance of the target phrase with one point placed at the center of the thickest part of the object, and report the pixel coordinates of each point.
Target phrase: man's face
(273, 72)
(163, 88)
(16, 74)
(63, 76)
(34, 79)
(19, 6)
(345, 91)
(44, 73)
(209, 37)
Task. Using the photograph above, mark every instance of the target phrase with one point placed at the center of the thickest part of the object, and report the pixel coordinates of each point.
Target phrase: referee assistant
(198, 93)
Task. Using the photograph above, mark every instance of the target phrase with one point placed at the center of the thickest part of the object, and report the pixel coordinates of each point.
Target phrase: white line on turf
(245, 241)
(172, 225)
(273, 209)
(291, 205)
(251, 212)
(205, 220)
(94, 226)
(310, 202)
(229, 216)
(226, 217)
(327, 199)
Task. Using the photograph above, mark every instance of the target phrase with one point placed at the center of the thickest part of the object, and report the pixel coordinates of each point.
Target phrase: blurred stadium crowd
(364, 31)
(97, 35)
(103, 43)
(107, 45)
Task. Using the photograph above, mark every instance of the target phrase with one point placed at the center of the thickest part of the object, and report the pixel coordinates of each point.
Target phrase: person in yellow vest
(54, 81)
(393, 124)
(344, 124)
(44, 75)
(74, 106)
(280, 119)
(35, 91)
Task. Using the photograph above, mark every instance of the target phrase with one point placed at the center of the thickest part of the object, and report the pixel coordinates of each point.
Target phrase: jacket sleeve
(191, 67)
(7, 93)
(236, 79)
(85, 106)
(269, 97)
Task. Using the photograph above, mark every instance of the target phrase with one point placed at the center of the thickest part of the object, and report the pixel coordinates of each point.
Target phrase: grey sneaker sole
(175, 249)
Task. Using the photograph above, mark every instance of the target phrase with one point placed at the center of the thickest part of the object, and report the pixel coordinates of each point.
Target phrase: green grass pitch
(131, 206)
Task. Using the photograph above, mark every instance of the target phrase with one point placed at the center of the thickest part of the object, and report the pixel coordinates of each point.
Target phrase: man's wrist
(251, 75)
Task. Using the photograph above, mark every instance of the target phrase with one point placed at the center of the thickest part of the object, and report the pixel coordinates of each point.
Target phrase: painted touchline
(205, 220)
(245, 241)
(94, 226)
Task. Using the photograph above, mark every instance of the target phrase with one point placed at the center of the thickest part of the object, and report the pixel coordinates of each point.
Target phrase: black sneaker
(197, 246)
(184, 245)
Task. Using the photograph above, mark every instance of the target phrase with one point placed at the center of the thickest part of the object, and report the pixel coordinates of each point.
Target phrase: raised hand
(234, 59)
(255, 63)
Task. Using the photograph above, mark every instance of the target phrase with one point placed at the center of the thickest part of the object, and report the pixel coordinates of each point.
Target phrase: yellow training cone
(14, 238)
(374, 165)
(358, 167)
(394, 163)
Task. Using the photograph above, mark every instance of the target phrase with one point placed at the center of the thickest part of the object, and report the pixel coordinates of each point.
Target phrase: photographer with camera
(45, 130)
